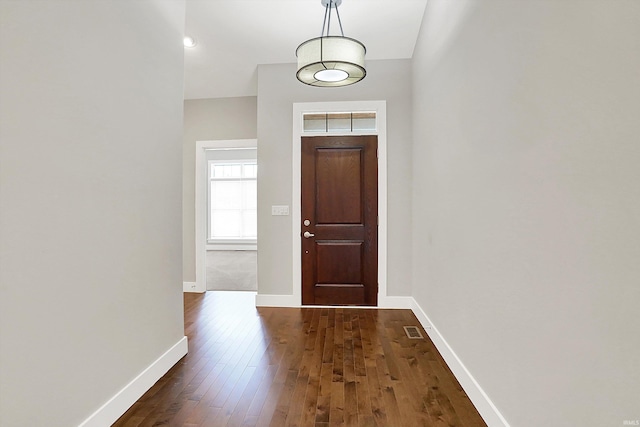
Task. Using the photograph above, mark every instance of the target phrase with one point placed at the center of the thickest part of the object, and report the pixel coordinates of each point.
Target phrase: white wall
(206, 120)
(278, 90)
(525, 177)
(90, 192)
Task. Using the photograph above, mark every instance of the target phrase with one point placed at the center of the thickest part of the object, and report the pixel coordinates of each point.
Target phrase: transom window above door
(348, 122)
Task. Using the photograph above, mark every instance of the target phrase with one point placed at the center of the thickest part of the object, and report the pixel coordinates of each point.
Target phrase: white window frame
(226, 241)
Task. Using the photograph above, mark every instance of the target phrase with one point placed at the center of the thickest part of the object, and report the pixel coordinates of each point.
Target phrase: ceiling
(234, 36)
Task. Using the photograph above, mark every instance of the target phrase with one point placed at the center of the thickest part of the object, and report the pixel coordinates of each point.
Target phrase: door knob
(308, 235)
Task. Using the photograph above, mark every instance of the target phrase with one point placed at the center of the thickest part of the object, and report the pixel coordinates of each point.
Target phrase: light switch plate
(280, 210)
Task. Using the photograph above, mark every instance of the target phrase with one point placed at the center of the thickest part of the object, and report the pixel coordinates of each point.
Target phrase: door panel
(340, 200)
(347, 254)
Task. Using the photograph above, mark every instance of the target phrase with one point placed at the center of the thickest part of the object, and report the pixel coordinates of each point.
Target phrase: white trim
(380, 108)
(188, 286)
(231, 247)
(213, 242)
(108, 413)
(289, 301)
(482, 402)
(201, 201)
(397, 302)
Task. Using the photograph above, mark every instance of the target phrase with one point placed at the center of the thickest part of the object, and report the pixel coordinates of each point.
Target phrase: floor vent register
(413, 332)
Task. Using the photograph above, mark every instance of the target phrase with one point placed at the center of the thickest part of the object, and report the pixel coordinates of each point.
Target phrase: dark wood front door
(340, 203)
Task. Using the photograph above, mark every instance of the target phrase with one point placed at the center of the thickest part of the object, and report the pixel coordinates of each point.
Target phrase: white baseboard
(395, 302)
(483, 404)
(108, 413)
(189, 287)
(267, 300)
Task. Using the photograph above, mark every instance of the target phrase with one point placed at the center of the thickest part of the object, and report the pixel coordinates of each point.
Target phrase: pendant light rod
(326, 23)
(339, 21)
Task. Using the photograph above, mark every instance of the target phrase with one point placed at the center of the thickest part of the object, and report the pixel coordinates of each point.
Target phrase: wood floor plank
(338, 346)
(233, 399)
(327, 356)
(365, 414)
(358, 350)
(336, 414)
(296, 407)
(260, 397)
(320, 367)
(350, 403)
(283, 406)
(414, 386)
(378, 408)
(350, 399)
(323, 407)
(274, 410)
(315, 368)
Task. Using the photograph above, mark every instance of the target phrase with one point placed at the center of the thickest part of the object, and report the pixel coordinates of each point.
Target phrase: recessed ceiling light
(189, 42)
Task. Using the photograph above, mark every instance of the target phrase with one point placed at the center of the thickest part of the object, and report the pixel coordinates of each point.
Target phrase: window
(233, 200)
(339, 122)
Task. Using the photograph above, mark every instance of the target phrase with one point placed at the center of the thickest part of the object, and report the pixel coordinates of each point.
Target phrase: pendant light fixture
(328, 61)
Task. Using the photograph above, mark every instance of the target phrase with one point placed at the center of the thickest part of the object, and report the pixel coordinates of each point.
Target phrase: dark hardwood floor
(279, 367)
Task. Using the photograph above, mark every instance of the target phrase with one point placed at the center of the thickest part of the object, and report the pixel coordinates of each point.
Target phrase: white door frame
(201, 202)
(380, 107)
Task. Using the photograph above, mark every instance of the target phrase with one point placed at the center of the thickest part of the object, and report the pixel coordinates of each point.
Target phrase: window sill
(232, 245)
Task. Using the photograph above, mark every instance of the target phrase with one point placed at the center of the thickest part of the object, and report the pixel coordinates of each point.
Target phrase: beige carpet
(232, 271)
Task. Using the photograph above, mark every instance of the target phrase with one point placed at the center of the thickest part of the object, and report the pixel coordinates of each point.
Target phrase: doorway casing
(201, 178)
(380, 108)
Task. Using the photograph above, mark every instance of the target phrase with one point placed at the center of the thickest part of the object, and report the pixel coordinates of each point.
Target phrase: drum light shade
(330, 61)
